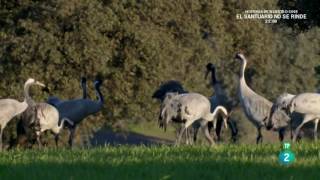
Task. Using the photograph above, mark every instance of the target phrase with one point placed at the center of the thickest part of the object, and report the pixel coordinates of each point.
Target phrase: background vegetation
(135, 45)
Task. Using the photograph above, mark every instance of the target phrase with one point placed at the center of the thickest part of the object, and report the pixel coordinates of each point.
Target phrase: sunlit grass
(161, 162)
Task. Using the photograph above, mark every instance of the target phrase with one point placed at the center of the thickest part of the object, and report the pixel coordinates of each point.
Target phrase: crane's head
(83, 80)
(210, 68)
(31, 81)
(168, 98)
(46, 89)
(277, 119)
(239, 56)
(97, 83)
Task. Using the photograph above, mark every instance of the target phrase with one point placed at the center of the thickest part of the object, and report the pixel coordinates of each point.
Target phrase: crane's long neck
(27, 97)
(215, 84)
(213, 77)
(222, 111)
(218, 109)
(287, 103)
(99, 94)
(84, 90)
(65, 120)
(61, 124)
(243, 69)
(242, 73)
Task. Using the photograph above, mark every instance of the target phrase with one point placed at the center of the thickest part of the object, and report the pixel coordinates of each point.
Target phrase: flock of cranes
(179, 106)
(38, 117)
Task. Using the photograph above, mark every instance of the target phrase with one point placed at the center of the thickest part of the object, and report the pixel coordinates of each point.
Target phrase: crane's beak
(40, 84)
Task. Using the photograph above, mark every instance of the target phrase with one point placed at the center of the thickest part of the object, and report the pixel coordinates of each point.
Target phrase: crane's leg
(1, 131)
(190, 136)
(291, 130)
(259, 137)
(38, 133)
(187, 136)
(296, 132)
(184, 127)
(205, 130)
(177, 143)
(219, 127)
(45, 141)
(315, 129)
(195, 134)
(177, 131)
(195, 127)
(281, 134)
(210, 126)
(160, 122)
(56, 138)
(71, 136)
(234, 130)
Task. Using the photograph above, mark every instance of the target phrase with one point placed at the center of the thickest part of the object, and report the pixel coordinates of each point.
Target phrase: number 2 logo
(286, 157)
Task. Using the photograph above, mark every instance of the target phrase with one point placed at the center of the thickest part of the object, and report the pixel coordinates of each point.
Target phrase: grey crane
(220, 98)
(192, 107)
(166, 115)
(305, 103)
(48, 119)
(11, 107)
(78, 109)
(42, 117)
(160, 93)
(256, 108)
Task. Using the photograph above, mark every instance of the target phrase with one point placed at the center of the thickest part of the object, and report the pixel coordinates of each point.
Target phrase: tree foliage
(134, 45)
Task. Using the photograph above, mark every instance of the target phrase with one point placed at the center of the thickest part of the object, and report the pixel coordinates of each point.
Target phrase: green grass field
(161, 162)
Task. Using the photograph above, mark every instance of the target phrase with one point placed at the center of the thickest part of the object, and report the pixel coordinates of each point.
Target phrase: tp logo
(286, 156)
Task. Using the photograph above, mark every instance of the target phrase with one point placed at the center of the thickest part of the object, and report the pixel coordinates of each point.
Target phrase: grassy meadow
(161, 162)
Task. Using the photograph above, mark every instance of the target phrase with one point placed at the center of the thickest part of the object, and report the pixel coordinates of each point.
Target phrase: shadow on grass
(223, 169)
(108, 137)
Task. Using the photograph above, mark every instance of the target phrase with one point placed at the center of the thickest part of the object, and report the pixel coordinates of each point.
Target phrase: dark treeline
(134, 45)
